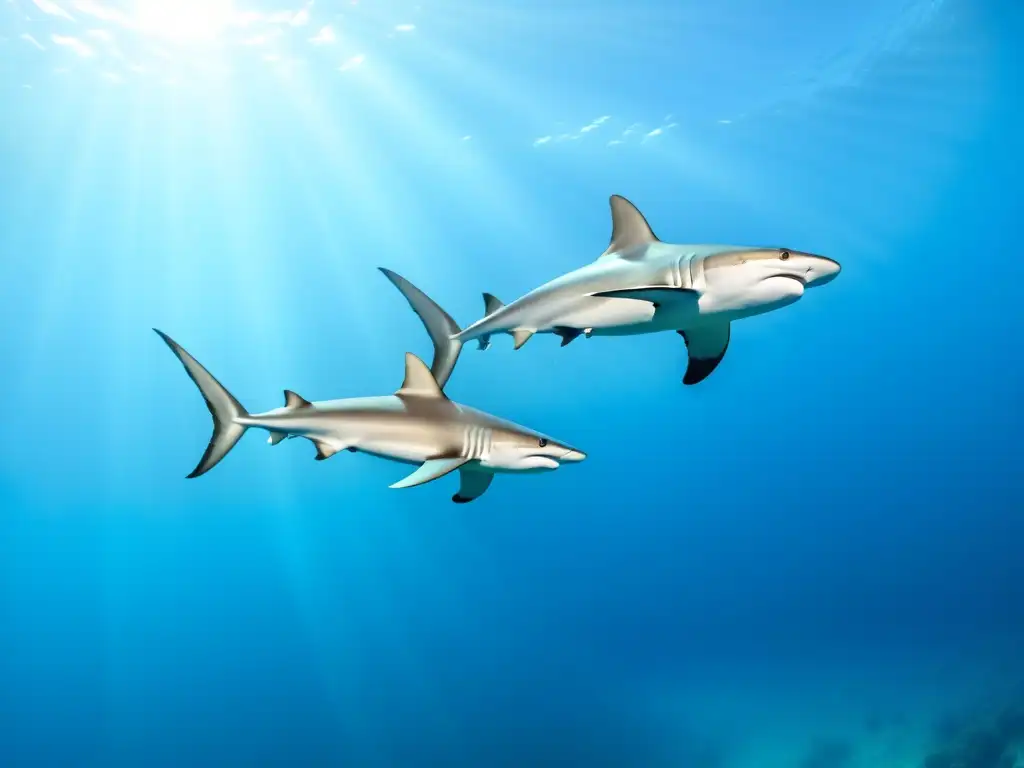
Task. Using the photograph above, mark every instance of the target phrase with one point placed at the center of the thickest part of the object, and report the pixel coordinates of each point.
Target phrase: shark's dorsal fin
(293, 401)
(629, 227)
(419, 381)
(492, 304)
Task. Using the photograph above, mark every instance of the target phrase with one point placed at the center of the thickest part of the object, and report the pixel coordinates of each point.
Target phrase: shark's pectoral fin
(276, 437)
(430, 470)
(706, 347)
(472, 485)
(657, 296)
(522, 336)
(568, 334)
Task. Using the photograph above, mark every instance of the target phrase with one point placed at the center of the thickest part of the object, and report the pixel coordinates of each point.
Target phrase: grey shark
(643, 285)
(416, 425)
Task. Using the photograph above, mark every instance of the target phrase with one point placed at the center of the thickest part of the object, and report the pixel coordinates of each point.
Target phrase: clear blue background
(824, 536)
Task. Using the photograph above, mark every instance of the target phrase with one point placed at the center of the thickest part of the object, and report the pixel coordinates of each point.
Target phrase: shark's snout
(822, 270)
(573, 455)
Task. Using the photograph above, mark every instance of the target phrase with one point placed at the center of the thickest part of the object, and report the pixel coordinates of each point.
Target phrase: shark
(417, 425)
(640, 284)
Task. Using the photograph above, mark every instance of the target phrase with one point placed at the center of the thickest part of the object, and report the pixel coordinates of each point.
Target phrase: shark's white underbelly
(392, 450)
(726, 301)
(386, 435)
(598, 313)
(631, 317)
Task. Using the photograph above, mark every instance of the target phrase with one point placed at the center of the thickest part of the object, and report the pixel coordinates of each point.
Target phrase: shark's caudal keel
(416, 425)
(642, 285)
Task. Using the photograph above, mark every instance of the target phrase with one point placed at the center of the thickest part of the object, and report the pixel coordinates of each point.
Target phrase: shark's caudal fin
(223, 407)
(439, 325)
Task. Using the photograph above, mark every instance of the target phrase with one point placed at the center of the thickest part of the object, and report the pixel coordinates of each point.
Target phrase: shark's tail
(439, 324)
(223, 407)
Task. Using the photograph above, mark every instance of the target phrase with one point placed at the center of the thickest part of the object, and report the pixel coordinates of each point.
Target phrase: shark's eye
(784, 255)
(542, 442)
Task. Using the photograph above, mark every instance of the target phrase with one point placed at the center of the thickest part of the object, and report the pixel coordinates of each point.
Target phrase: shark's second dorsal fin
(419, 381)
(629, 227)
(294, 401)
(492, 304)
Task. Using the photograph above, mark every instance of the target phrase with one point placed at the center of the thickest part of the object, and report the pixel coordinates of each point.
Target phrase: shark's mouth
(797, 278)
(544, 462)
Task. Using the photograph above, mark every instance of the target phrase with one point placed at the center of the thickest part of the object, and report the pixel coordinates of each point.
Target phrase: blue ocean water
(811, 560)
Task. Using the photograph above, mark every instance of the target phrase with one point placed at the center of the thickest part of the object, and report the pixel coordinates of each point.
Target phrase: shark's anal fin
(658, 296)
(706, 347)
(324, 450)
(568, 334)
(419, 381)
(472, 485)
(430, 470)
(276, 437)
(629, 227)
(293, 401)
(521, 336)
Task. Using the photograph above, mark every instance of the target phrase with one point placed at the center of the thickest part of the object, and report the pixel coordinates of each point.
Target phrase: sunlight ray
(353, 167)
(66, 264)
(122, 395)
(329, 141)
(484, 187)
(250, 256)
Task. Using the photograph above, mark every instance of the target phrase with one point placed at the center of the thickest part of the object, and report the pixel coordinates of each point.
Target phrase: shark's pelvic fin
(568, 334)
(439, 324)
(706, 347)
(629, 227)
(276, 437)
(294, 401)
(472, 485)
(419, 381)
(521, 336)
(430, 470)
(224, 408)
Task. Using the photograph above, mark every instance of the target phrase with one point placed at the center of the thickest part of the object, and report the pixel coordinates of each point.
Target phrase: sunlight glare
(184, 21)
